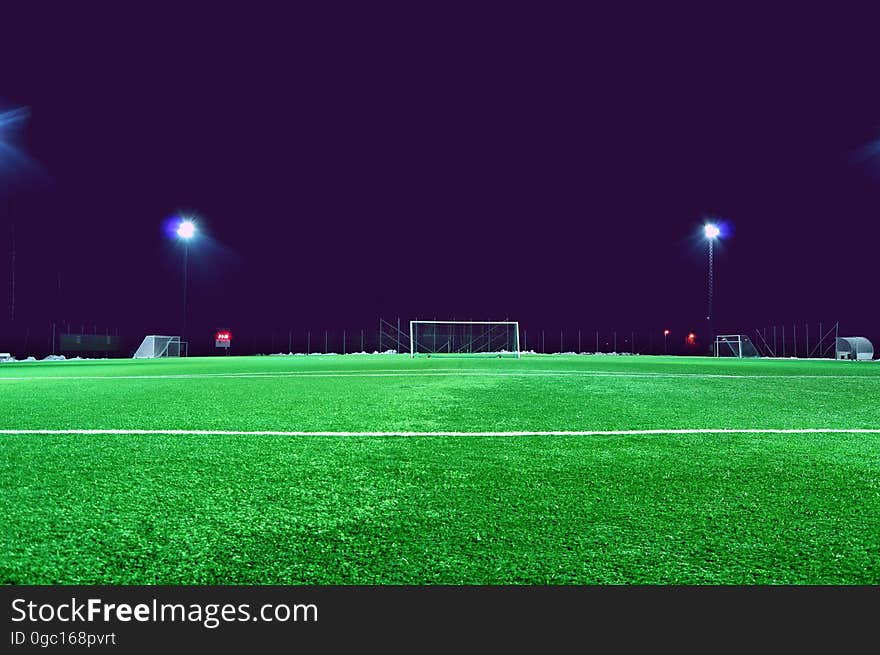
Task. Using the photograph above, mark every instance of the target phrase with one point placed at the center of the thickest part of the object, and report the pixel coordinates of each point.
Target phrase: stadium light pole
(185, 232)
(11, 160)
(711, 232)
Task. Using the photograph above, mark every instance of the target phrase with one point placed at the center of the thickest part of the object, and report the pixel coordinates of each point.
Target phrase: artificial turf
(716, 508)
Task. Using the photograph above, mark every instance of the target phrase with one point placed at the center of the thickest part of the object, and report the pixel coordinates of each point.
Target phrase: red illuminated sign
(223, 339)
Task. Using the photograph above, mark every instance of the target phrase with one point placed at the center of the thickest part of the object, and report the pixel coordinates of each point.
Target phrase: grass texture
(608, 509)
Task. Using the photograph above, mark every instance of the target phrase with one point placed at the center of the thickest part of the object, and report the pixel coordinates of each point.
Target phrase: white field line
(452, 433)
(438, 373)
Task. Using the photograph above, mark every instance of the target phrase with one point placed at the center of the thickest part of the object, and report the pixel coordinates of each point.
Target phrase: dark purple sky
(548, 167)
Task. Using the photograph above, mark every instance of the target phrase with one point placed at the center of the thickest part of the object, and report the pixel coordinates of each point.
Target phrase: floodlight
(186, 230)
(711, 231)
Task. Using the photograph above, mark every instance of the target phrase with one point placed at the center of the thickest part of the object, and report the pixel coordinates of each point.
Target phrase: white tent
(854, 348)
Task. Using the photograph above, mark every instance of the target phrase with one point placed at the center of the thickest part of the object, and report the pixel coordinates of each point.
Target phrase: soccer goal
(161, 346)
(464, 338)
(734, 345)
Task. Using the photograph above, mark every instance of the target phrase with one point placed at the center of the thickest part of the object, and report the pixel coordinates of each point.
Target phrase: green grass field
(637, 508)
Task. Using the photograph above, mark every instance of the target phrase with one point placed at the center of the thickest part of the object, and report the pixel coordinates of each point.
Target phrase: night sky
(547, 167)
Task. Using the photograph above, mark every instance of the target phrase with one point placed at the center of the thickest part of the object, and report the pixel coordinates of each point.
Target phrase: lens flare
(15, 165)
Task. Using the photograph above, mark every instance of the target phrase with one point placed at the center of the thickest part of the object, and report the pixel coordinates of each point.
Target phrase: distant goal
(464, 338)
(155, 345)
(735, 345)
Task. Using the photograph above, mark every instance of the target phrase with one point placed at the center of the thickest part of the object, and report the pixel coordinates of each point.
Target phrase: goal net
(160, 346)
(734, 345)
(464, 338)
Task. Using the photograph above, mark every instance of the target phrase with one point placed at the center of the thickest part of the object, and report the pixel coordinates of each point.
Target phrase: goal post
(734, 345)
(156, 345)
(464, 338)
